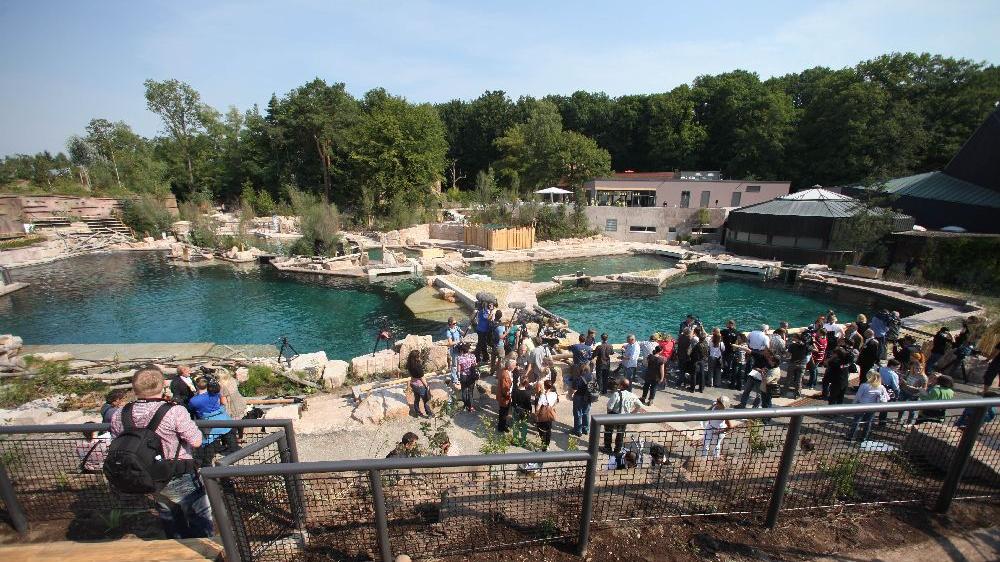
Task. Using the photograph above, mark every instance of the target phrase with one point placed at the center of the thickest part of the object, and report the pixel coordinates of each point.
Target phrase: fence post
(223, 524)
(293, 447)
(381, 524)
(961, 459)
(14, 509)
(293, 484)
(784, 471)
(589, 482)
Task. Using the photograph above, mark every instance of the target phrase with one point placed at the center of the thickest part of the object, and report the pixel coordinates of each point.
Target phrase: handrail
(252, 448)
(78, 427)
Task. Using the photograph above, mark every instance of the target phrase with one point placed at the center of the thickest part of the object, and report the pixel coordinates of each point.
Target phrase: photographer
(208, 404)
(483, 320)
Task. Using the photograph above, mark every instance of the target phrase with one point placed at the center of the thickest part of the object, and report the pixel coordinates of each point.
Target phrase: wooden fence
(500, 238)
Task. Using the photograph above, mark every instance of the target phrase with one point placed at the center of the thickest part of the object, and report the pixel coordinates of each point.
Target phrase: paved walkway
(981, 545)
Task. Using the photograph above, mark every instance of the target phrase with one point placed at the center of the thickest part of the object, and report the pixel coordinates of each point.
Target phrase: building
(965, 194)
(649, 206)
(798, 228)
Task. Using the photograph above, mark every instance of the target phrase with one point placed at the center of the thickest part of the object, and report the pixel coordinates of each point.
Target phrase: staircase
(112, 225)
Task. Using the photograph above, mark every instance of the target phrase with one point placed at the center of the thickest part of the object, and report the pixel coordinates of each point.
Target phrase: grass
(262, 381)
(22, 242)
(45, 378)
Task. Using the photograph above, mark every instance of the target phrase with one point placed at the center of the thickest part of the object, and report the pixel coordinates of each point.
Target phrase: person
(904, 349)
(602, 361)
(862, 325)
(182, 387)
(889, 375)
(482, 319)
(869, 352)
(545, 411)
(715, 430)
(207, 405)
(621, 402)
(741, 353)
(521, 400)
(965, 347)
(834, 331)
(880, 325)
(647, 347)
(453, 337)
(852, 338)
(991, 413)
(630, 357)
(690, 323)
(92, 450)
(716, 351)
(498, 340)
(582, 354)
(407, 447)
(778, 341)
(505, 389)
(113, 401)
(655, 374)
(523, 363)
(818, 352)
(666, 344)
(730, 335)
(698, 360)
(468, 374)
(581, 398)
(798, 354)
(512, 337)
(591, 338)
(939, 346)
(894, 324)
(838, 375)
(758, 341)
(682, 351)
(870, 392)
(181, 504)
(941, 390)
(235, 403)
(421, 393)
(910, 388)
(541, 358)
(992, 369)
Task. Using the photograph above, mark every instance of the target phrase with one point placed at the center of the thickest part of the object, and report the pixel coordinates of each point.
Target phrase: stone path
(129, 351)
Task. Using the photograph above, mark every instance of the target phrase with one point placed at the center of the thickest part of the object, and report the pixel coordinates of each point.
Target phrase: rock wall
(447, 231)
(406, 236)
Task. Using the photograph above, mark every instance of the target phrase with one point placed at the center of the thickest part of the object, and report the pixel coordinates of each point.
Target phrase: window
(786, 241)
(642, 229)
(743, 236)
(758, 238)
(635, 198)
(735, 201)
(706, 196)
(811, 243)
(753, 189)
(685, 199)
(672, 229)
(611, 225)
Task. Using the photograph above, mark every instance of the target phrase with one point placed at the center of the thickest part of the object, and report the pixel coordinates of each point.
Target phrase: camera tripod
(285, 345)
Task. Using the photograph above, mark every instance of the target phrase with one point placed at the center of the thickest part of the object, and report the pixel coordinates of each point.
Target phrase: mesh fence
(52, 481)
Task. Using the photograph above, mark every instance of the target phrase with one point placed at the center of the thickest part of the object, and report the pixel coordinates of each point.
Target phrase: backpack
(593, 389)
(135, 463)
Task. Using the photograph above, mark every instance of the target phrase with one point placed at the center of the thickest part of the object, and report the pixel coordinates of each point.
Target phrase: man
(505, 386)
(582, 354)
(691, 322)
(683, 353)
(453, 336)
(729, 337)
(758, 341)
(880, 325)
(482, 321)
(778, 342)
(869, 353)
(890, 380)
(602, 360)
(523, 363)
(591, 337)
(580, 395)
(182, 505)
(630, 357)
(892, 331)
(656, 373)
(540, 356)
(182, 387)
(942, 342)
(498, 339)
(798, 353)
(622, 402)
(646, 348)
(407, 446)
(904, 353)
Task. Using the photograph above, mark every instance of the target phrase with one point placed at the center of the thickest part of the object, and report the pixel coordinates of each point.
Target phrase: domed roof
(815, 202)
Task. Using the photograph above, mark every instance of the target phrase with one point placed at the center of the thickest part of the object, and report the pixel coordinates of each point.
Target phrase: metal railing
(775, 460)
(42, 477)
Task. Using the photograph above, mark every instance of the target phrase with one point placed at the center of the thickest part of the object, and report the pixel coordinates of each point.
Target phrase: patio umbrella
(553, 191)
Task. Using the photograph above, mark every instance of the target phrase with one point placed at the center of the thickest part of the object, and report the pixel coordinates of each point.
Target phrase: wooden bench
(125, 550)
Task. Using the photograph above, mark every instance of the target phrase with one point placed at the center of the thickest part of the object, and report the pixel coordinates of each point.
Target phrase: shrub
(319, 222)
(264, 204)
(46, 378)
(262, 381)
(146, 215)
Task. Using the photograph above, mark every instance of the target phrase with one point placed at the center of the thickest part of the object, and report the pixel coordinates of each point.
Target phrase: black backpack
(135, 463)
(593, 389)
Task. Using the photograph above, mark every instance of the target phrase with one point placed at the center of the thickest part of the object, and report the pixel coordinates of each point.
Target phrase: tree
(180, 107)
(872, 220)
(676, 138)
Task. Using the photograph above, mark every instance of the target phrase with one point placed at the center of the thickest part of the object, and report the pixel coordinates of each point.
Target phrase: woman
(818, 354)
(521, 399)
(505, 390)
(715, 350)
(715, 430)
(862, 324)
(914, 384)
(738, 373)
(545, 412)
(468, 374)
(870, 392)
(418, 385)
(834, 331)
(758, 382)
(698, 360)
(942, 390)
(232, 400)
(837, 376)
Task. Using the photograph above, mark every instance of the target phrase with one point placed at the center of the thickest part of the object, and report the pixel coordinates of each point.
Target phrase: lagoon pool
(546, 270)
(140, 297)
(714, 299)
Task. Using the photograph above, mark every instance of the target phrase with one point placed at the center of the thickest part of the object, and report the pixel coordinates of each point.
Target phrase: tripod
(285, 345)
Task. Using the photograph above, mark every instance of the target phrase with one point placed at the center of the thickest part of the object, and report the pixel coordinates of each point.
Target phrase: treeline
(382, 156)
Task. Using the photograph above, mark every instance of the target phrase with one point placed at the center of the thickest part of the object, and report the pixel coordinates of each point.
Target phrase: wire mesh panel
(982, 474)
(688, 472)
(339, 517)
(434, 512)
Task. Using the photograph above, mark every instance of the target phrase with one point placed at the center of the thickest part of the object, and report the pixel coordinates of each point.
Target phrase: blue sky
(63, 63)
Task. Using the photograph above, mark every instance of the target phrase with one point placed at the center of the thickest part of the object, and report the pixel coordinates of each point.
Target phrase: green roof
(942, 187)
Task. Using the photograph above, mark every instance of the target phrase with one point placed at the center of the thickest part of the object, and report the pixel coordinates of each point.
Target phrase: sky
(63, 63)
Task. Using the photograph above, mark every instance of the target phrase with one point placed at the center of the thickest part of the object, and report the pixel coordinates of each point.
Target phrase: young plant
(841, 473)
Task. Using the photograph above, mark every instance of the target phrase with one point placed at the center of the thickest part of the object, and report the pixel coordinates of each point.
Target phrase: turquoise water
(714, 299)
(546, 270)
(134, 298)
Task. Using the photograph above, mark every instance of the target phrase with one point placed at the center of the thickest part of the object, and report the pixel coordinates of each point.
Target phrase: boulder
(371, 410)
(242, 374)
(385, 361)
(335, 373)
(306, 361)
(395, 403)
(411, 343)
(286, 412)
(440, 390)
(437, 360)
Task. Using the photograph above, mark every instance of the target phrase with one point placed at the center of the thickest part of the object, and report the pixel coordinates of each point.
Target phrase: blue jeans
(581, 416)
(183, 509)
(861, 419)
(630, 375)
(454, 366)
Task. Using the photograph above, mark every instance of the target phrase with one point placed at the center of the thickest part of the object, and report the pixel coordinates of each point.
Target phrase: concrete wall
(28, 207)
(668, 192)
(447, 231)
(662, 218)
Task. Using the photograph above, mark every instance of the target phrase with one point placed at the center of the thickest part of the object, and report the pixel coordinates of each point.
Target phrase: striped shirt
(177, 429)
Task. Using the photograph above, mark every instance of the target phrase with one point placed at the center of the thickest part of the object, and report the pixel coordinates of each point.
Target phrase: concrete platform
(8, 289)
(131, 351)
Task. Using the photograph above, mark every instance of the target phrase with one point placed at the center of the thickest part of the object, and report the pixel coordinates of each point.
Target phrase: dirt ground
(855, 533)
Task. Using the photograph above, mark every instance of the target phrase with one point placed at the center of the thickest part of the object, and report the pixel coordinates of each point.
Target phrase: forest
(381, 155)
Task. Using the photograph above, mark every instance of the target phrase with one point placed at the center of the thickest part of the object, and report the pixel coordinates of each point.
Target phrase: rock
(149, 240)
(437, 360)
(335, 373)
(411, 343)
(394, 402)
(385, 361)
(287, 412)
(315, 361)
(52, 356)
(371, 410)
(440, 391)
(242, 374)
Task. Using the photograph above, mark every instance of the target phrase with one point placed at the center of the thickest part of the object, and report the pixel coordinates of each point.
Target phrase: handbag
(545, 413)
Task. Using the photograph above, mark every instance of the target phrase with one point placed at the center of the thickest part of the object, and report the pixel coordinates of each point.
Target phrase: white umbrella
(553, 191)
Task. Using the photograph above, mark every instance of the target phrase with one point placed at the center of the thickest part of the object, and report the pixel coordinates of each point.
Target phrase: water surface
(546, 270)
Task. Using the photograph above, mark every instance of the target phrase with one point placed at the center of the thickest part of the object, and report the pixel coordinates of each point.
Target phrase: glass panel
(706, 196)
(685, 199)
(735, 202)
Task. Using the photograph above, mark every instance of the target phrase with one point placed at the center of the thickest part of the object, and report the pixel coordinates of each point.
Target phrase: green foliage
(551, 222)
(872, 222)
(494, 442)
(264, 204)
(704, 216)
(248, 198)
(145, 214)
(435, 430)
(319, 222)
(44, 378)
(963, 261)
(841, 472)
(262, 381)
(755, 437)
(22, 242)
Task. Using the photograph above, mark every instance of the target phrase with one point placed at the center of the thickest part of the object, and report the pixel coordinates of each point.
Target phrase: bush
(262, 381)
(146, 215)
(47, 378)
(319, 222)
(263, 204)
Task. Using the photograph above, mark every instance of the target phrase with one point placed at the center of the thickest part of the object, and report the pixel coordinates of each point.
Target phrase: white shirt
(835, 328)
(630, 355)
(758, 341)
(715, 351)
